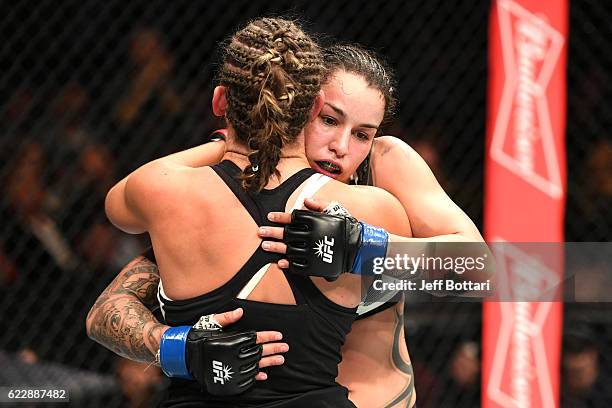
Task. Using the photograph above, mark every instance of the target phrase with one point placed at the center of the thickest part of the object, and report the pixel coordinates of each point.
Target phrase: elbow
(120, 213)
(110, 205)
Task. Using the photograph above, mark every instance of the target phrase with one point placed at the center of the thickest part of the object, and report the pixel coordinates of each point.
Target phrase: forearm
(127, 327)
(121, 320)
(451, 256)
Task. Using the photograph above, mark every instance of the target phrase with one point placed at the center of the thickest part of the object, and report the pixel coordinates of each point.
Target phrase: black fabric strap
(229, 172)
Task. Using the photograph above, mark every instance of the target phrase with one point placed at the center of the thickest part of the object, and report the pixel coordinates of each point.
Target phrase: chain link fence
(90, 90)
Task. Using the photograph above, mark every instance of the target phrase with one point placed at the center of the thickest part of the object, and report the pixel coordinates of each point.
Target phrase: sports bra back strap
(253, 282)
(228, 171)
(311, 186)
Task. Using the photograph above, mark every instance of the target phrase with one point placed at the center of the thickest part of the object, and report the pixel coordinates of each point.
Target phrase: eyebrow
(340, 112)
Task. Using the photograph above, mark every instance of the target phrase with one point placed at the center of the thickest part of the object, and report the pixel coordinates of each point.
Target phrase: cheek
(359, 152)
(315, 140)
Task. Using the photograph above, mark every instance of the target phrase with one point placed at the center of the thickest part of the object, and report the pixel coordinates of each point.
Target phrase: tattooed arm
(121, 319)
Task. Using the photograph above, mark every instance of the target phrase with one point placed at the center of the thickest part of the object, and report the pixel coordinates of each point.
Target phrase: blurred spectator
(16, 122)
(427, 150)
(464, 368)
(78, 155)
(105, 248)
(29, 201)
(599, 168)
(150, 106)
(583, 383)
(28, 356)
(8, 270)
(459, 386)
(152, 67)
(426, 145)
(592, 197)
(41, 255)
(141, 384)
(81, 172)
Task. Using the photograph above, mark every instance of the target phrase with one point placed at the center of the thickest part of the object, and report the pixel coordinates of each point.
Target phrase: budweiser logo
(523, 139)
(519, 370)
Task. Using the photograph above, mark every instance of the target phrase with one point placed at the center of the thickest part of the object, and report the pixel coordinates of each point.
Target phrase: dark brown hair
(355, 59)
(272, 73)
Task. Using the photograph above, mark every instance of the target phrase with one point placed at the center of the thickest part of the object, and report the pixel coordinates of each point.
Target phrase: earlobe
(219, 101)
(318, 105)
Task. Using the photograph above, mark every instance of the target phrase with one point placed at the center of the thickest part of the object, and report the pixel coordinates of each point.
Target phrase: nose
(340, 144)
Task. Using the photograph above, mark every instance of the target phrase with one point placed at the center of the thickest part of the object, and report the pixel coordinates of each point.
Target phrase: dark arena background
(90, 90)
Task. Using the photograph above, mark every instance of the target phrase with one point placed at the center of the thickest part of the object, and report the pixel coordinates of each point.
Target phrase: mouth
(329, 168)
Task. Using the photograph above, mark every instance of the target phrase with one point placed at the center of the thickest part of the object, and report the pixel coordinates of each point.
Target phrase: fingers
(280, 217)
(271, 246)
(271, 232)
(271, 361)
(271, 357)
(268, 336)
(274, 348)
(227, 318)
(316, 205)
(283, 264)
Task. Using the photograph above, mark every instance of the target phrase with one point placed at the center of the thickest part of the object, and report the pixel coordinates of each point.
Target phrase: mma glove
(331, 243)
(223, 363)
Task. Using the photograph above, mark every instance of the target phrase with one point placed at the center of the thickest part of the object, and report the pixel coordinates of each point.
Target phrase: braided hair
(272, 72)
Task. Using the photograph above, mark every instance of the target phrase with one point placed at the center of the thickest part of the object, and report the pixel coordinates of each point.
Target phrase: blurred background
(90, 90)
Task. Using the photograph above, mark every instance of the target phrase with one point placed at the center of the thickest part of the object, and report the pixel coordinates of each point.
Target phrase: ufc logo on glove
(324, 249)
(221, 373)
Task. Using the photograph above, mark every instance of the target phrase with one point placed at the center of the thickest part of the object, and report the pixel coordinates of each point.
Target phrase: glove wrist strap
(172, 352)
(374, 242)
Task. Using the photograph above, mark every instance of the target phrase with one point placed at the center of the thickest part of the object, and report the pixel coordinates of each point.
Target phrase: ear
(219, 101)
(318, 105)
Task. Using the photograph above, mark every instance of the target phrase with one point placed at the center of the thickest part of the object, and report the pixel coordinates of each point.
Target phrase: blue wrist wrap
(172, 352)
(374, 242)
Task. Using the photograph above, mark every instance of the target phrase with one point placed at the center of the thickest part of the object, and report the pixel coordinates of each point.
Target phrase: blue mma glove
(223, 363)
(326, 245)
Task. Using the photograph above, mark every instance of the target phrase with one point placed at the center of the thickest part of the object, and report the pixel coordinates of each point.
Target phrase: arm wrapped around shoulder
(327, 245)
(223, 363)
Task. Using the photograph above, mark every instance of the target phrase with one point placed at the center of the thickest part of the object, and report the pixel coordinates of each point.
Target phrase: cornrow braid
(358, 60)
(272, 73)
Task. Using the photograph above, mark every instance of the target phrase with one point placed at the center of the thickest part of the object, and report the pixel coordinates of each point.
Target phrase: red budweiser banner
(525, 193)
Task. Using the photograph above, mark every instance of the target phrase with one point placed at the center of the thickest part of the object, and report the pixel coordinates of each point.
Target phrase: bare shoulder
(396, 166)
(372, 205)
(163, 175)
(391, 147)
(160, 183)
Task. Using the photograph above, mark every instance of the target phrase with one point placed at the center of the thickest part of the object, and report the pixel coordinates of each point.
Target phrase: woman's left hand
(278, 232)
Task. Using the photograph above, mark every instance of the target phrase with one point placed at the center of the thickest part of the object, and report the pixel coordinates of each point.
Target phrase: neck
(293, 159)
(240, 156)
(238, 152)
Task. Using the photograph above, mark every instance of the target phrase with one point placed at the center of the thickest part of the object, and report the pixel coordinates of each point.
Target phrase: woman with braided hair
(376, 369)
(269, 88)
